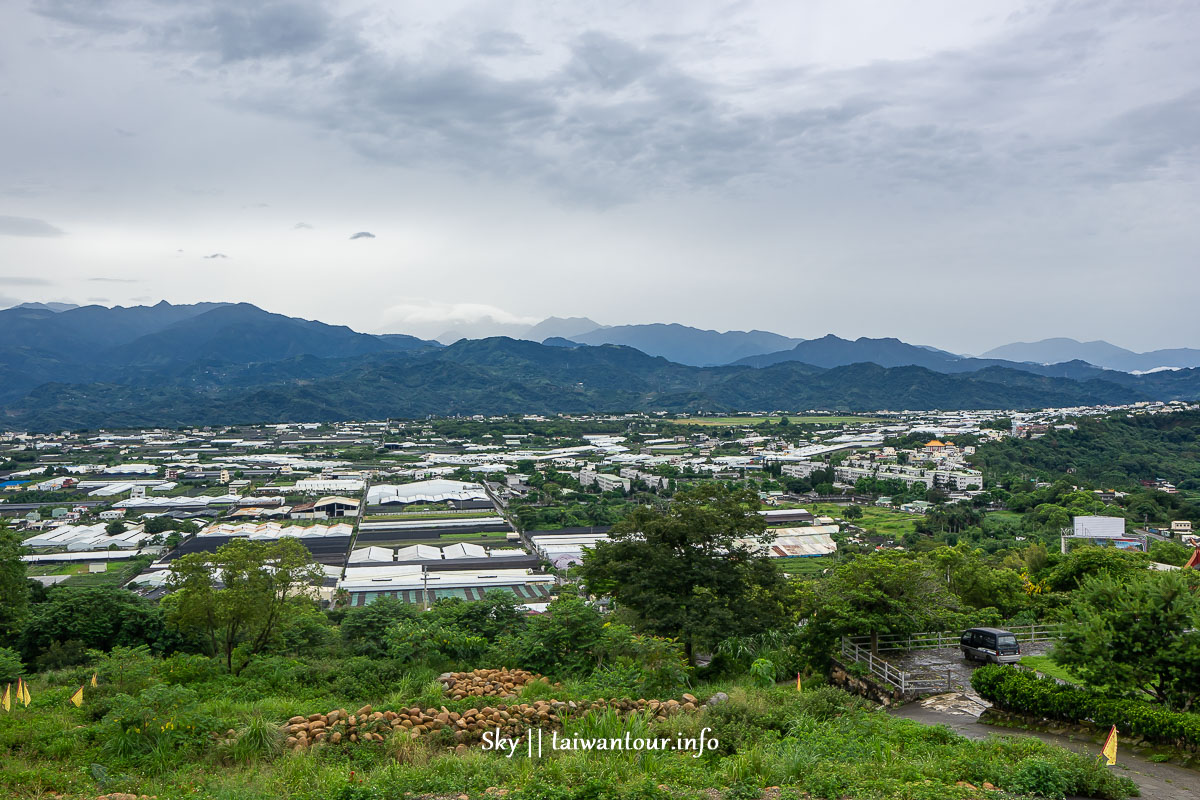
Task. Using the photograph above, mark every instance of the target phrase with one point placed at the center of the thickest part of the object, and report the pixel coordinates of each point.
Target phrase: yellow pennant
(26, 699)
(799, 688)
(77, 698)
(93, 680)
(1110, 746)
(7, 702)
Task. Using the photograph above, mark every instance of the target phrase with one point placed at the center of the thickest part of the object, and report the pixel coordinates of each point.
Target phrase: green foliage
(14, 587)
(260, 585)
(1113, 452)
(1136, 637)
(363, 627)
(157, 727)
(1024, 693)
(882, 593)
(1171, 553)
(688, 572)
(1082, 563)
(11, 667)
(762, 672)
(98, 618)
(427, 638)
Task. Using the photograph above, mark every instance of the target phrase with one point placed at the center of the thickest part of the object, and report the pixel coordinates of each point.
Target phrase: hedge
(1023, 692)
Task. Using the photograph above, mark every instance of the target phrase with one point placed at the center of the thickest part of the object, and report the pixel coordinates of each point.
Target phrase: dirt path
(960, 712)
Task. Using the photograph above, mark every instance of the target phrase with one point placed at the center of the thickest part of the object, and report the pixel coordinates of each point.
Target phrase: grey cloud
(215, 255)
(225, 30)
(27, 226)
(115, 280)
(97, 299)
(363, 235)
(302, 226)
(501, 43)
(619, 118)
(23, 280)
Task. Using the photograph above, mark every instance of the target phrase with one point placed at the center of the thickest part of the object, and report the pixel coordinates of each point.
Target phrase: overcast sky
(960, 174)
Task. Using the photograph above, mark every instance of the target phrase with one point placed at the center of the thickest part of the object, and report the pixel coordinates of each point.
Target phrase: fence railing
(936, 640)
(907, 681)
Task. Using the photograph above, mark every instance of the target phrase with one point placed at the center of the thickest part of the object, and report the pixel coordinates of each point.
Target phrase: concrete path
(960, 712)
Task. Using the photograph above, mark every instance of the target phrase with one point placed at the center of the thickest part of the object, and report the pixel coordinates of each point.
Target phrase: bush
(156, 728)
(1037, 776)
(10, 666)
(1024, 693)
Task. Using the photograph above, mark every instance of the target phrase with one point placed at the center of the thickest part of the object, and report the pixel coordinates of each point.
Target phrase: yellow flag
(799, 688)
(26, 699)
(77, 698)
(1110, 746)
(6, 702)
(93, 680)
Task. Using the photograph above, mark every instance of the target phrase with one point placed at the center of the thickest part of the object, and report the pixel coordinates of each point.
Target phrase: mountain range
(1099, 353)
(214, 363)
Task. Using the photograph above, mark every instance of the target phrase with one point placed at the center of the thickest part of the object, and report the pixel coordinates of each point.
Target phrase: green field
(799, 420)
(883, 521)
(1046, 666)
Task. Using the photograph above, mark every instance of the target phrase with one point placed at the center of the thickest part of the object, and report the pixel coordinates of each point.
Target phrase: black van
(990, 644)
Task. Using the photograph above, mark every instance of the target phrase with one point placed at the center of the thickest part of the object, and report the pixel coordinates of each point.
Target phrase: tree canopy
(692, 570)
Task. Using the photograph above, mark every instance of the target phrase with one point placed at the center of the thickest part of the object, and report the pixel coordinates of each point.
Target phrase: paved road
(960, 712)
(949, 662)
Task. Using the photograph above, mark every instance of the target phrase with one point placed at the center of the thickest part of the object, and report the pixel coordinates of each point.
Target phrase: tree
(99, 618)
(14, 586)
(853, 512)
(889, 593)
(115, 527)
(239, 595)
(363, 627)
(691, 570)
(1136, 637)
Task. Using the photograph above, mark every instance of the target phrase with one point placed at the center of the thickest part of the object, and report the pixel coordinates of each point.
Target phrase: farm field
(883, 521)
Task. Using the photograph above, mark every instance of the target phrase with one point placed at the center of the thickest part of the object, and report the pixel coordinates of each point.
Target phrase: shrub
(157, 726)
(1025, 693)
(1038, 776)
(762, 672)
(10, 665)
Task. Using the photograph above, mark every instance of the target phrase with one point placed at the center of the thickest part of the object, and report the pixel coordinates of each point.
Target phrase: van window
(1008, 641)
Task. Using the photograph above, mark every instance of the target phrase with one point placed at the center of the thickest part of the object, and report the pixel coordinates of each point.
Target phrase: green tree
(14, 586)
(240, 595)
(882, 593)
(853, 512)
(363, 627)
(98, 618)
(691, 570)
(115, 527)
(1139, 637)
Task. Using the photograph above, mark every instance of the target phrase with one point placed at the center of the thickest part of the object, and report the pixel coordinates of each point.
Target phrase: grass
(875, 519)
(822, 742)
(815, 419)
(1046, 666)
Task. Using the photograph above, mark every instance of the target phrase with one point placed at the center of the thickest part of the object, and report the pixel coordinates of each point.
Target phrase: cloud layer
(1004, 160)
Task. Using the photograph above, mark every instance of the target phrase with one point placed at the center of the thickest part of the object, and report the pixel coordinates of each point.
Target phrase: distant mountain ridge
(215, 363)
(686, 345)
(502, 375)
(1099, 353)
(96, 342)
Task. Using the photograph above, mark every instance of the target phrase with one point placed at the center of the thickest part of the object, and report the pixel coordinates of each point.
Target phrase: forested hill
(1113, 452)
(501, 375)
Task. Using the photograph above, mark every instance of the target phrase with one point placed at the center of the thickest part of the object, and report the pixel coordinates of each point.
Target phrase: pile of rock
(488, 682)
(465, 727)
